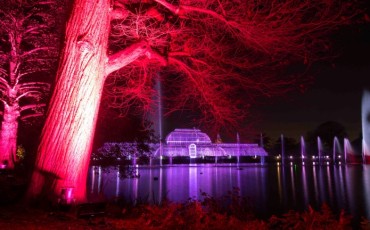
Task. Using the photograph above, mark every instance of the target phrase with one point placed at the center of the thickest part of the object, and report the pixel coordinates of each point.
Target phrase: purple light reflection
(270, 189)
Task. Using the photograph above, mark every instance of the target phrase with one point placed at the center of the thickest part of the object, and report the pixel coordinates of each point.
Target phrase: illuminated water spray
(238, 143)
(348, 150)
(365, 115)
(160, 114)
(319, 149)
(303, 149)
(282, 148)
(156, 116)
(336, 150)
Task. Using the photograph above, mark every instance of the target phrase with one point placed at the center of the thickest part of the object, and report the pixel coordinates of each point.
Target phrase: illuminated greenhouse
(195, 144)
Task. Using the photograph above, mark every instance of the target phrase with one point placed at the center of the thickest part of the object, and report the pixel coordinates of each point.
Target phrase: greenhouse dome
(187, 136)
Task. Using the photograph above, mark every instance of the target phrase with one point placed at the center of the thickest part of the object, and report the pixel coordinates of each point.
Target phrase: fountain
(336, 149)
(319, 149)
(160, 128)
(365, 115)
(118, 177)
(261, 140)
(303, 149)
(348, 151)
(365, 152)
(156, 117)
(238, 144)
(99, 179)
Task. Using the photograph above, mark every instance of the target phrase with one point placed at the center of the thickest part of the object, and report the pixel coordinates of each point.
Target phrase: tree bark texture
(8, 135)
(28, 54)
(66, 141)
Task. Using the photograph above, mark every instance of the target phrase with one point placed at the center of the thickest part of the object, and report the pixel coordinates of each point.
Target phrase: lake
(270, 189)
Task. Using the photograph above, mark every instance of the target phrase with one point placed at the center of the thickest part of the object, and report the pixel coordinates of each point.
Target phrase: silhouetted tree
(291, 146)
(28, 55)
(207, 53)
(326, 131)
(142, 145)
(266, 141)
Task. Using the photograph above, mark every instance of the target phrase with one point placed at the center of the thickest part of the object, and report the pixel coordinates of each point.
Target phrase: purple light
(195, 144)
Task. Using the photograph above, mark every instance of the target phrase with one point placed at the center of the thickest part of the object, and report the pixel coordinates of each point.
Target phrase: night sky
(335, 94)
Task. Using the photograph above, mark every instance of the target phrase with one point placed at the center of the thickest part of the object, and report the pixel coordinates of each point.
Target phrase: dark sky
(335, 95)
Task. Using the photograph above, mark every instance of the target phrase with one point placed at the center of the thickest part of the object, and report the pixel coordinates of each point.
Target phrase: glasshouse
(195, 144)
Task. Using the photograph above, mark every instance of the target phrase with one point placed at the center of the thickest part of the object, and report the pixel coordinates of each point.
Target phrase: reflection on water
(271, 189)
(193, 182)
(366, 190)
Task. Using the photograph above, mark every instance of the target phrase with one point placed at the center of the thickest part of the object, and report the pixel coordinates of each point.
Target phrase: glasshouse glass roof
(184, 136)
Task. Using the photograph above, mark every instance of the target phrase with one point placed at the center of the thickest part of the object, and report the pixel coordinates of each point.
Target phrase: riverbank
(189, 215)
(115, 213)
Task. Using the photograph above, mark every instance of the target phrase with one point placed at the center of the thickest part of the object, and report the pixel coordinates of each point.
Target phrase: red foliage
(219, 57)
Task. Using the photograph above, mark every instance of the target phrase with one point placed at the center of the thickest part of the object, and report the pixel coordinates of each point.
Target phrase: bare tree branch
(33, 85)
(129, 55)
(27, 94)
(32, 106)
(33, 115)
(36, 50)
(3, 72)
(34, 30)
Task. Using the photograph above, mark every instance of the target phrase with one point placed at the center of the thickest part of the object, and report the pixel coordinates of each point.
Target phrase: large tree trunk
(8, 135)
(64, 152)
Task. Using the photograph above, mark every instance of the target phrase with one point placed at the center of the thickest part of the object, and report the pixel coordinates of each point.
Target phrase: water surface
(270, 189)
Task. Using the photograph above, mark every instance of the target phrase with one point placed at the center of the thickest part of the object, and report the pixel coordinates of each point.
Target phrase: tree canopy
(216, 57)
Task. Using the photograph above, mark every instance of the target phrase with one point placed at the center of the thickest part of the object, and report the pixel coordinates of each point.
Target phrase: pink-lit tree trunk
(8, 134)
(27, 55)
(66, 142)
